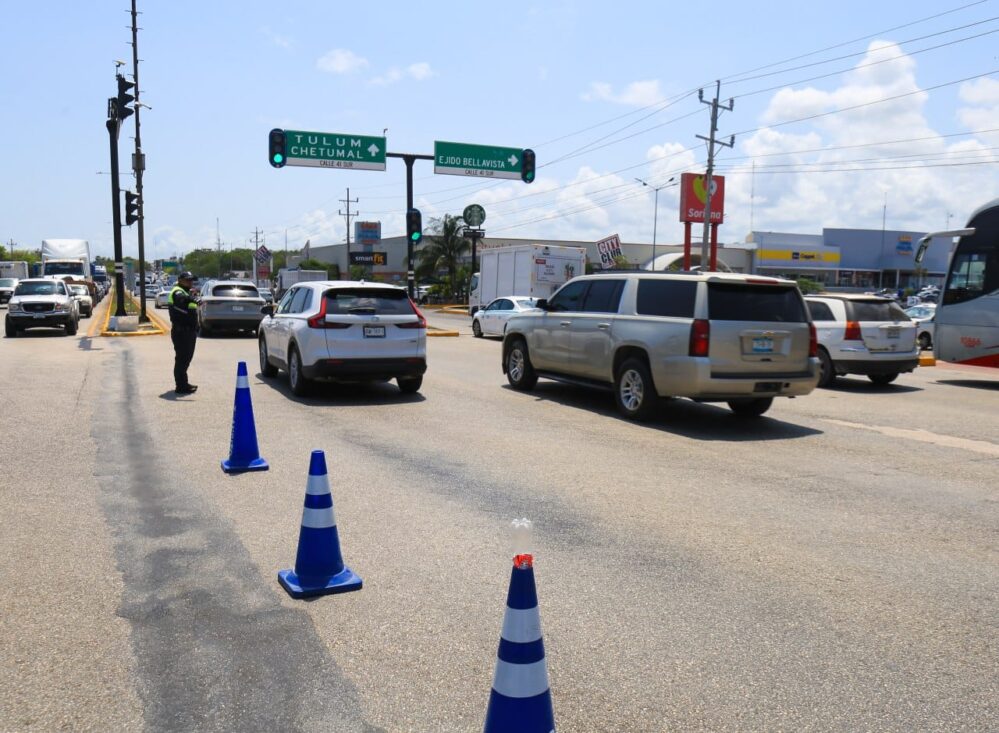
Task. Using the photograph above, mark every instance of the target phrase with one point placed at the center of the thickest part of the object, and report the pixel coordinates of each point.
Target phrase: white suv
(712, 337)
(862, 334)
(344, 331)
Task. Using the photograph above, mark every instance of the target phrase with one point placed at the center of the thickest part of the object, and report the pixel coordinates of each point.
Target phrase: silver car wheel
(515, 365)
(632, 390)
(293, 367)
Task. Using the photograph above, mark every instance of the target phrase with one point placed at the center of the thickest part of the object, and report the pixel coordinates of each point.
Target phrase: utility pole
(218, 248)
(715, 108)
(346, 215)
(138, 166)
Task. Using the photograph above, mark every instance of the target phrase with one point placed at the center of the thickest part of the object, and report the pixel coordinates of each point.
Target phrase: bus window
(967, 277)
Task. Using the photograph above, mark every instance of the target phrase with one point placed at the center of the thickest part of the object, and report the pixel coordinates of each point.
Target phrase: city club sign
(693, 196)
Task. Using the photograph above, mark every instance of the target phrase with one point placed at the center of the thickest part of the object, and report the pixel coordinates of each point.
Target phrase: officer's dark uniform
(184, 333)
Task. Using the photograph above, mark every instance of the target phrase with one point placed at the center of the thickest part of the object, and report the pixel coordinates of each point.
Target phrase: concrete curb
(156, 330)
(926, 361)
(433, 331)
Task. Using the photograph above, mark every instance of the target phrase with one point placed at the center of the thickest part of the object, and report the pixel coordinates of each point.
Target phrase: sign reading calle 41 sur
(334, 150)
(462, 159)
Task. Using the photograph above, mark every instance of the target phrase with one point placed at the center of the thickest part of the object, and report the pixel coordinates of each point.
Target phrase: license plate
(892, 333)
(374, 332)
(237, 309)
(763, 345)
(39, 315)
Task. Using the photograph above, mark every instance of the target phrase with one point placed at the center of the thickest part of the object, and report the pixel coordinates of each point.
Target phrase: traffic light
(277, 145)
(414, 226)
(124, 98)
(131, 208)
(527, 165)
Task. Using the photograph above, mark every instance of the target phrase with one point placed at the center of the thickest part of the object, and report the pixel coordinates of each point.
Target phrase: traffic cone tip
(317, 463)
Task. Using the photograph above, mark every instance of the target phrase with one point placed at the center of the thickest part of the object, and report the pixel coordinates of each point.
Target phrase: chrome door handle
(565, 324)
(603, 326)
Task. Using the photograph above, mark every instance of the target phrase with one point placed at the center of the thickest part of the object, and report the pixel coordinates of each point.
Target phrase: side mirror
(268, 310)
(542, 304)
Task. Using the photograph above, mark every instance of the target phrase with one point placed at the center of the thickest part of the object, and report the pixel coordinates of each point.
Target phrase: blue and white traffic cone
(319, 567)
(521, 701)
(244, 455)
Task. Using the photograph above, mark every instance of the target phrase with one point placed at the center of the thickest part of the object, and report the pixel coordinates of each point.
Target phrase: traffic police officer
(183, 331)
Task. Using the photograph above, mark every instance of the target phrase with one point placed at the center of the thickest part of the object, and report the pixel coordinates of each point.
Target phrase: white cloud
(636, 94)
(341, 61)
(277, 39)
(420, 71)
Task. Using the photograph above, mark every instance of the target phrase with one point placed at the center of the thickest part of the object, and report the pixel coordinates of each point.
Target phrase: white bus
(966, 325)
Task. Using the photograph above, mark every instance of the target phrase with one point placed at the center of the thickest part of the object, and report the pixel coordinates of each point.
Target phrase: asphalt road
(833, 566)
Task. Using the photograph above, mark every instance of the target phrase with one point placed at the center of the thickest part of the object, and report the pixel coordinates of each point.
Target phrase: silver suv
(712, 337)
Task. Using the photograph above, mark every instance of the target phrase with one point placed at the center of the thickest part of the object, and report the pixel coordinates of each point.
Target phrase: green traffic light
(278, 158)
(415, 236)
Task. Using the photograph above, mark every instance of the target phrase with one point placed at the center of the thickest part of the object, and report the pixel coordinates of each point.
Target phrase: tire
(9, 329)
(752, 407)
(409, 385)
(925, 342)
(519, 372)
(883, 379)
(296, 380)
(476, 329)
(71, 327)
(266, 368)
(827, 372)
(634, 392)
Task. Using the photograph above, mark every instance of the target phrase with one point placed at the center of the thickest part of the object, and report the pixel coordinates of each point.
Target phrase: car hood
(38, 299)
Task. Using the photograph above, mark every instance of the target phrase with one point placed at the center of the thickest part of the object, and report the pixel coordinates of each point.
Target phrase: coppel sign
(693, 196)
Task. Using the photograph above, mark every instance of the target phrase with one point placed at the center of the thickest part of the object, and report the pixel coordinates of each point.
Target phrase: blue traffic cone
(319, 567)
(521, 701)
(244, 455)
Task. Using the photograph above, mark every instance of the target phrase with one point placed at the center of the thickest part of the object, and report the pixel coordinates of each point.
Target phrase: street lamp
(655, 218)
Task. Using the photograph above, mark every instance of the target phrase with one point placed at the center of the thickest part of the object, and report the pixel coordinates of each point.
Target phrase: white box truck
(66, 257)
(532, 270)
(17, 270)
(288, 277)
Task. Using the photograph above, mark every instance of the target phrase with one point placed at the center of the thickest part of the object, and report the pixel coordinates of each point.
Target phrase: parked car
(232, 305)
(491, 320)
(81, 294)
(712, 337)
(344, 331)
(41, 302)
(862, 334)
(7, 285)
(267, 294)
(161, 298)
(922, 315)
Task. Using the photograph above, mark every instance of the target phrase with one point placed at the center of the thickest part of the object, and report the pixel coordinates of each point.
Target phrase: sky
(848, 114)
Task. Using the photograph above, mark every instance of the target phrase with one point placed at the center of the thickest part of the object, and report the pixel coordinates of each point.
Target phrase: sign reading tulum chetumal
(334, 150)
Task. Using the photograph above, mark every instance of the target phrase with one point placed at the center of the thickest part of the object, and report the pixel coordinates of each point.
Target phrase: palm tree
(444, 248)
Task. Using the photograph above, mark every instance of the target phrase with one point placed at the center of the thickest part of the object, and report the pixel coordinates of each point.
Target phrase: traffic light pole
(138, 166)
(409, 159)
(119, 264)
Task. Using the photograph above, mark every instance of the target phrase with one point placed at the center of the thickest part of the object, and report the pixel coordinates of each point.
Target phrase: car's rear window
(235, 291)
(672, 298)
(746, 302)
(368, 301)
(877, 310)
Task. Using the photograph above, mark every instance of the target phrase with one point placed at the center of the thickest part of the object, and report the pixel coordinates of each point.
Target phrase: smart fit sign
(693, 196)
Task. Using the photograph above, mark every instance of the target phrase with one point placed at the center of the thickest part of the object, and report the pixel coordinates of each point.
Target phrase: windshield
(368, 301)
(63, 268)
(39, 288)
(7, 282)
(79, 289)
(235, 291)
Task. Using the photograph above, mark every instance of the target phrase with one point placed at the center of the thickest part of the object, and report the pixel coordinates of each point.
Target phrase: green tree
(444, 249)
(313, 264)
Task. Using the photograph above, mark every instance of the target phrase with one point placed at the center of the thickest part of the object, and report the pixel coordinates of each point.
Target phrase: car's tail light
(700, 335)
(813, 340)
(420, 323)
(319, 320)
(853, 331)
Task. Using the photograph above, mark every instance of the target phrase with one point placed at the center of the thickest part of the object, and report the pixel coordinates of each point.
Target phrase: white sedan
(491, 320)
(923, 315)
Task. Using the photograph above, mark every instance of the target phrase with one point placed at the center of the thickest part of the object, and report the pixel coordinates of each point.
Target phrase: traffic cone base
(244, 455)
(319, 568)
(343, 582)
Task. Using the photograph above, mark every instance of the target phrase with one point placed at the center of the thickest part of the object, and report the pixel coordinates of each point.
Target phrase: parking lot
(833, 565)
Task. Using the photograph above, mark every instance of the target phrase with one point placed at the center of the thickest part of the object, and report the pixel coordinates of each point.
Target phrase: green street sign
(460, 159)
(334, 150)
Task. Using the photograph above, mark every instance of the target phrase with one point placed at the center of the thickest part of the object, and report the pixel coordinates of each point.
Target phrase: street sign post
(334, 150)
(461, 159)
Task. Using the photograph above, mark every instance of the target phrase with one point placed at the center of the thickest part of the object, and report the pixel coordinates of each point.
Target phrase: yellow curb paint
(442, 333)
(925, 361)
(157, 329)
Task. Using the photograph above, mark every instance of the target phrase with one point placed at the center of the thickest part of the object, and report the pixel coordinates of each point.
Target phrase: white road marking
(925, 436)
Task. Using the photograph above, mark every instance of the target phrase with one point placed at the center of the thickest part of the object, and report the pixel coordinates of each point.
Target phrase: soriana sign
(693, 196)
